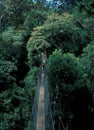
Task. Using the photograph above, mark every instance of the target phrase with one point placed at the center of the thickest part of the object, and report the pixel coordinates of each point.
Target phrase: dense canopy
(62, 30)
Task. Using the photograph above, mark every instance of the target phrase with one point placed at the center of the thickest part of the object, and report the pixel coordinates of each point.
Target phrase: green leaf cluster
(69, 89)
(57, 32)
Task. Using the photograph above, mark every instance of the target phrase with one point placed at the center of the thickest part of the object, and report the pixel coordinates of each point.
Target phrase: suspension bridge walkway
(41, 108)
(41, 116)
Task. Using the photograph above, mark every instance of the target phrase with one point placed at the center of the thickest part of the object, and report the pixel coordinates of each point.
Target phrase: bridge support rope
(41, 118)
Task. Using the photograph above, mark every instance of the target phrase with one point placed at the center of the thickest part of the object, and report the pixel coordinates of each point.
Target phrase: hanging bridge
(41, 117)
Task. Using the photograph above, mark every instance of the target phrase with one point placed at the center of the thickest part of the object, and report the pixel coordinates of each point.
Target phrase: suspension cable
(33, 117)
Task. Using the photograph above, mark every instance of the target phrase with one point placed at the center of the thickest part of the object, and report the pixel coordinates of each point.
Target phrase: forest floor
(41, 109)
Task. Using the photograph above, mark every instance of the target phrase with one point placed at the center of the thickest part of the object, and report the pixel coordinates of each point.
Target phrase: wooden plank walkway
(41, 109)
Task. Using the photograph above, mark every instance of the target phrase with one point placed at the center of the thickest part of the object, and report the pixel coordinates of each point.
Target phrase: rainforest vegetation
(64, 29)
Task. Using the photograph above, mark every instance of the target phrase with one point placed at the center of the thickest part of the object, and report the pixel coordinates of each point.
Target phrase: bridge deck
(41, 109)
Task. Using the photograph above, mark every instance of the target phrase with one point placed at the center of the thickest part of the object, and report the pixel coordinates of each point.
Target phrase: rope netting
(49, 124)
(33, 118)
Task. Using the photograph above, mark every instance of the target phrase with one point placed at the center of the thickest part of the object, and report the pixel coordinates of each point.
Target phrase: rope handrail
(49, 123)
(33, 118)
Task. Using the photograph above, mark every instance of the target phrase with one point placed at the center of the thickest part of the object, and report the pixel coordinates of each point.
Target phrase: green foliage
(62, 38)
(16, 101)
(17, 95)
(13, 96)
(31, 78)
(88, 60)
(42, 5)
(34, 18)
(23, 14)
(14, 108)
(11, 42)
(1, 8)
(87, 6)
(57, 32)
(62, 6)
(15, 12)
(6, 69)
(67, 80)
(65, 68)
